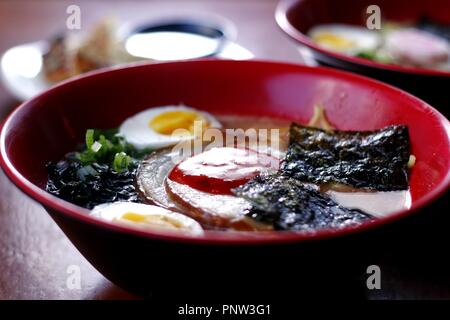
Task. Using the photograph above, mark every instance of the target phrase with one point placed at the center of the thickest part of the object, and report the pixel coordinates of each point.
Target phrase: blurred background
(249, 23)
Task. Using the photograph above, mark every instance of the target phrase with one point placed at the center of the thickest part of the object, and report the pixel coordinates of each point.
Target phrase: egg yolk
(167, 122)
(132, 216)
(333, 40)
(155, 220)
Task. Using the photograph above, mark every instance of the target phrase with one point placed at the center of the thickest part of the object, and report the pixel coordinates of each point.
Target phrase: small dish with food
(31, 68)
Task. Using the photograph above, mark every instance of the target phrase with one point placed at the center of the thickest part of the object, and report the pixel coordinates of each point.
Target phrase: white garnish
(96, 146)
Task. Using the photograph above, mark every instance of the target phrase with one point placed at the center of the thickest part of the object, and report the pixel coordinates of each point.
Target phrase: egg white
(136, 129)
(115, 210)
(363, 38)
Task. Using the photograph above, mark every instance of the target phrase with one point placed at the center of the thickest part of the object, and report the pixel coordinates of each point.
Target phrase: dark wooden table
(35, 256)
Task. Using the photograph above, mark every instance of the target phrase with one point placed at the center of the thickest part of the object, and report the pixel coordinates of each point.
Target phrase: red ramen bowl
(297, 17)
(53, 123)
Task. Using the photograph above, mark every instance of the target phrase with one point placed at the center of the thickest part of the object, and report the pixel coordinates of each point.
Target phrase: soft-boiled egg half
(146, 216)
(345, 38)
(164, 126)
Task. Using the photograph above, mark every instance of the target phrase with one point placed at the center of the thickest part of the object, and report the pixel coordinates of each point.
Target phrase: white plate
(21, 67)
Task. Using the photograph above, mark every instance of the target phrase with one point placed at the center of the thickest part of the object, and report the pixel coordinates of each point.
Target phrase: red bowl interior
(48, 126)
(297, 17)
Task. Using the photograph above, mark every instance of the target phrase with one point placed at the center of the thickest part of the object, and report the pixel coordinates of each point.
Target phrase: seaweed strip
(375, 160)
(100, 185)
(291, 205)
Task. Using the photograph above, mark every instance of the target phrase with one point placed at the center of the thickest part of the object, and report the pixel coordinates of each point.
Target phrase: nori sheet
(375, 160)
(291, 205)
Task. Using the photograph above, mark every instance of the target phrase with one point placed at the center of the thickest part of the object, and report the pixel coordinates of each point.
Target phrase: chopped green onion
(89, 138)
(108, 147)
(121, 162)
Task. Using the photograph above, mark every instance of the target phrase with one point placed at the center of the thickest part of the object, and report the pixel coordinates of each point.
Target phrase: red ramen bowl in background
(297, 17)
